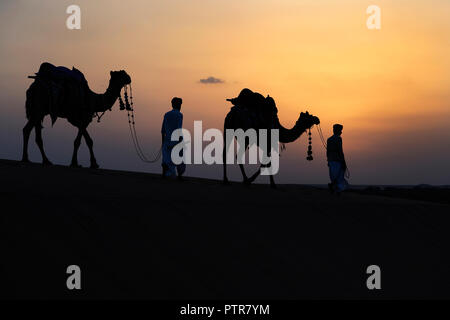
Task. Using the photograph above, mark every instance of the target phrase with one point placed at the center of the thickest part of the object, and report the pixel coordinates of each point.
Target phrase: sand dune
(137, 236)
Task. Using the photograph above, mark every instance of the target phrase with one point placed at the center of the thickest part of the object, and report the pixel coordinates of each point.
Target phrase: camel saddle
(66, 87)
(253, 108)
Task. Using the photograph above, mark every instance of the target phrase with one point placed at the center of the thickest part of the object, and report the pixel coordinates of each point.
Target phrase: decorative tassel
(127, 103)
(122, 106)
(309, 157)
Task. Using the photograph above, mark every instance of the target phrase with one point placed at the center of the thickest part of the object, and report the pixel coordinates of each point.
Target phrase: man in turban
(336, 161)
(172, 120)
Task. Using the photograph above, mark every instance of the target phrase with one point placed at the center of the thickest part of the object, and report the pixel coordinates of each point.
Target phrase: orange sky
(388, 87)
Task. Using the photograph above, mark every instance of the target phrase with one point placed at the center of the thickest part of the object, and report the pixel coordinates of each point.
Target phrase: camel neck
(290, 135)
(108, 98)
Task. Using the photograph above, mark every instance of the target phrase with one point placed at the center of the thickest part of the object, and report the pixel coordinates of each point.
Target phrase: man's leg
(334, 168)
(165, 160)
(164, 170)
(341, 183)
(181, 168)
(331, 187)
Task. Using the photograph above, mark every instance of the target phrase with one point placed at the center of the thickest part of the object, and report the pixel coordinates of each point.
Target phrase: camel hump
(58, 74)
(67, 88)
(46, 68)
(248, 98)
(254, 101)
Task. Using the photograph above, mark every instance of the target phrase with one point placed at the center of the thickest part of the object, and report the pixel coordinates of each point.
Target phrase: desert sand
(135, 235)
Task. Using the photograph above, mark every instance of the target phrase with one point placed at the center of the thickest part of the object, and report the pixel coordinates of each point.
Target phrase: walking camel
(252, 111)
(63, 93)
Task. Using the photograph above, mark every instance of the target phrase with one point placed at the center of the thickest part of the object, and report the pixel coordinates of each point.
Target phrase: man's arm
(180, 122)
(328, 149)
(163, 131)
(341, 154)
(180, 125)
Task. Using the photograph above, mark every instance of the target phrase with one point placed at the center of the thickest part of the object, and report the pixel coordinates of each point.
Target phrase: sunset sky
(388, 87)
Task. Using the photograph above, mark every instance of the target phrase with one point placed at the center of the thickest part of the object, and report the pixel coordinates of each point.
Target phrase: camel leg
(254, 176)
(241, 166)
(40, 143)
(272, 182)
(76, 146)
(258, 172)
(90, 145)
(224, 157)
(26, 136)
(244, 176)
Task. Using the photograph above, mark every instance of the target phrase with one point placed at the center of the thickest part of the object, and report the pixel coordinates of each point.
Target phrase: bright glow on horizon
(388, 87)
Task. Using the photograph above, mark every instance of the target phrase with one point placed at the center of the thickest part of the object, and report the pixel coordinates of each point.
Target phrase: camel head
(120, 78)
(307, 120)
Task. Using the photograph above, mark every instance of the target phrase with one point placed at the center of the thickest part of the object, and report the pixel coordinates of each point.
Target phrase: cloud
(211, 80)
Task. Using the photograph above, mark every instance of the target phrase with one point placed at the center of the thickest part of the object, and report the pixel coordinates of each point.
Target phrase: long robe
(336, 163)
(337, 175)
(172, 120)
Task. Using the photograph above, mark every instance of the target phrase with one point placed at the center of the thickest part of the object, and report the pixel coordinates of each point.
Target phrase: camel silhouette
(77, 105)
(252, 111)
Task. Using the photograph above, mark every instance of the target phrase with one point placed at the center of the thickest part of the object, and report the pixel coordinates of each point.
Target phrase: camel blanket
(67, 89)
(254, 110)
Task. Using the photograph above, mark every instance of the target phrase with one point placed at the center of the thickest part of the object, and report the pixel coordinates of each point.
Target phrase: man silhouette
(172, 120)
(336, 161)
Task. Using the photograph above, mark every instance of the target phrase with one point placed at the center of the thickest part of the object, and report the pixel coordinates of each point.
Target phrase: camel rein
(129, 106)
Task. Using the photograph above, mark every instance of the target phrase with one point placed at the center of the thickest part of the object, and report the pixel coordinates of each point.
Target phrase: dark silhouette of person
(172, 120)
(336, 161)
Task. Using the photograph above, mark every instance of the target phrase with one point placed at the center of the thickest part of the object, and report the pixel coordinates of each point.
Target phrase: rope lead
(129, 106)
